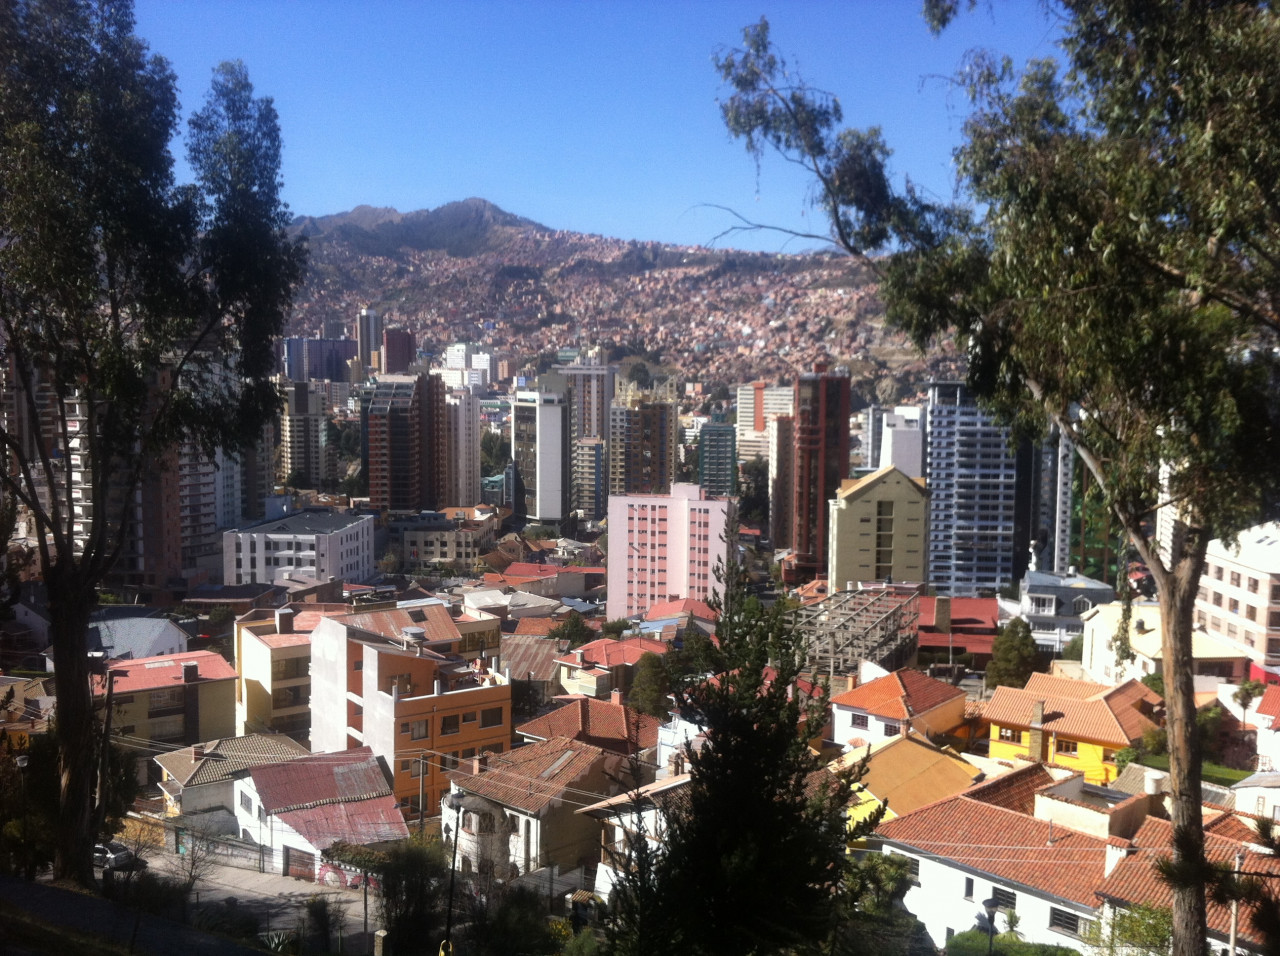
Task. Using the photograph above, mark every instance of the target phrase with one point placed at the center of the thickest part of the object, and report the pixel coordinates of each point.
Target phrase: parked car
(116, 856)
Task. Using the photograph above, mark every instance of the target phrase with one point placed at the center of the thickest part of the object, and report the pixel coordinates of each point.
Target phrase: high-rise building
(879, 531)
(540, 451)
(403, 432)
(758, 404)
(590, 478)
(398, 350)
(310, 360)
(644, 432)
(592, 383)
(718, 459)
(368, 336)
(979, 495)
(462, 457)
(302, 435)
(666, 547)
(782, 445)
(902, 440)
(822, 402)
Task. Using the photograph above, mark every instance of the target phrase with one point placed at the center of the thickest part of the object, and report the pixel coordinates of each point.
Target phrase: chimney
(942, 615)
(479, 762)
(197, 751)
(284, 620)
(1035, 740)
(615, 697)
(580, 657)
(1117, 849)
(850, 681)
(190, 672)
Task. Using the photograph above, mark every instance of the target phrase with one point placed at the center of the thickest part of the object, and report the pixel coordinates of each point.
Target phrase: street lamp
(453, 800)
(992, 906)
(22, 760)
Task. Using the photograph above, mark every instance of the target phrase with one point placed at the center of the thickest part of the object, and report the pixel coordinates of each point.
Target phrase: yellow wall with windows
(1094, 759)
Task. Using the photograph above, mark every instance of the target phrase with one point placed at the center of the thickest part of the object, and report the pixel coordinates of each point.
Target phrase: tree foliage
(1013, 655)
(136, 314)
(414, 897)
(1118, 275)
(574, 629)
(651, 687)
(753, 852)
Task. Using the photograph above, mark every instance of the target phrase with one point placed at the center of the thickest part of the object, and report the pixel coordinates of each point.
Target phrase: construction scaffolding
(875, 624)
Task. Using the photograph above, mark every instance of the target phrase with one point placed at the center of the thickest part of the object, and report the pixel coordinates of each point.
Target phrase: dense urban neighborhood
(439, 582)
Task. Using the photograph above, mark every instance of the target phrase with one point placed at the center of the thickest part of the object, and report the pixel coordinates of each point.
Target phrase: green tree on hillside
(651, 687)
(1117, 275)
(137, 314)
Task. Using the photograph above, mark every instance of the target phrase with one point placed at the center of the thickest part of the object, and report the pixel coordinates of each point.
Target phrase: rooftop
(304, 523)
(154, 673)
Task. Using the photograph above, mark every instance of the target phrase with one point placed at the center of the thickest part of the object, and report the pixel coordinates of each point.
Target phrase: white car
(115, 856)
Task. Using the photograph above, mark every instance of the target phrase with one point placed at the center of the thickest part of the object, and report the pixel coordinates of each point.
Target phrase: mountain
(470, 271)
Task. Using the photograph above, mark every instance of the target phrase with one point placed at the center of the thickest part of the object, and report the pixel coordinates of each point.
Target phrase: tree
(495, 452)
(1120, 279)
(1132, 930)
(754, 850)
(574, 629)
(651, 688)
(753, 504)
(1073, 650)
(1013, 655)
(136, 315)
(1248, 691)
(197, 855)
(415, 888)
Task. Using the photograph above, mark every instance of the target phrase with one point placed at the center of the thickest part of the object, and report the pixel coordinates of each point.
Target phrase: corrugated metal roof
(348, 775)
(530, 778)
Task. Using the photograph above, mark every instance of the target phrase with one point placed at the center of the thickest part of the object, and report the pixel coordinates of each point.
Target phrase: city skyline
(596, 118)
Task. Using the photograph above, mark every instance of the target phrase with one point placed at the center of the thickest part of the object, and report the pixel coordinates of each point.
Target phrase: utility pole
(422, 782)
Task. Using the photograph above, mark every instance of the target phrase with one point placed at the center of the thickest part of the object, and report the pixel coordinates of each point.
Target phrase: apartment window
(859, 721)
(1011, 735)
(892, 728)
(1250, 612)
(1235, 579)
(418, 729)
(449, 761)
(1253, 585)
(491, 717)
(1217, 572)
(358, 665)
(1064, 921)
(246, 802)
(449, 724)
(968, 887)
(1065, 747)
(1005, 899)
(469, 717)
(1233, 606)
(1217, 599)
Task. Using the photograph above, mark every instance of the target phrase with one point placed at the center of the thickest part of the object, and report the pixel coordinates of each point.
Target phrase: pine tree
(1014, 656)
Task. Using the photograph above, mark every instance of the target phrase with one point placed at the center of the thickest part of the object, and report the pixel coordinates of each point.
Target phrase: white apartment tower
(758, 404)
(462, 461)
(540, 451)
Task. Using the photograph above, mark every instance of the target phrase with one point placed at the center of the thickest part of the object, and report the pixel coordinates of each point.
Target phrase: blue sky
(598, 117)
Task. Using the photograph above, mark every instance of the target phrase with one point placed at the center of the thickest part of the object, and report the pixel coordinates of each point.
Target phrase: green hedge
(974, 942)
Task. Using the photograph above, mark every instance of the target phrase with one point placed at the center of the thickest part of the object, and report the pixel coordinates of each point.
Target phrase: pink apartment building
(666, 547)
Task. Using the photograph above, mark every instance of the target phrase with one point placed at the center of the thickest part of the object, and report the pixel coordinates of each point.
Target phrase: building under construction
(876, 624)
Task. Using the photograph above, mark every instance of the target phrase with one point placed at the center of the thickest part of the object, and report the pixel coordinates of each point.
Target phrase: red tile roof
(527, 569)
(154, 673)
(1013, 847)
(1015, 790)
(1136, 880)
(535, 626)
(900, 695)
(1109, 716)
(699, 609)
(1270, 705)
(602, 723)
(610, 653)
(531, 778)
(974, 622)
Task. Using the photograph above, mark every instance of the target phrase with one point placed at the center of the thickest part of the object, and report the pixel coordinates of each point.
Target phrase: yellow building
(172, 699)
(1074, 724)
(879, 529)
(905, 773)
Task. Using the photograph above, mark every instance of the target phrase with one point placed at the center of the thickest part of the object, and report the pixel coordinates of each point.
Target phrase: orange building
(397, 681)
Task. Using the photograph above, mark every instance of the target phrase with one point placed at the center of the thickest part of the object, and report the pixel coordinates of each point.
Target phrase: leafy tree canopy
(1013, 655)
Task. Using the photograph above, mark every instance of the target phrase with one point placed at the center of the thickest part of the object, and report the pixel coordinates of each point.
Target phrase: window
(1235, 579)
(1005, 899)
(1063, 746)
(469, 717)
(358, 665)
(1253, 585)
(449, 761)
(1217, 572)
(1011, 735)
(262, 812)
(859, 721)
(1064, 921)
(418, 729)
(491, 717)
(892, 728)
(449, 724)
(968, 887)
(246, 802)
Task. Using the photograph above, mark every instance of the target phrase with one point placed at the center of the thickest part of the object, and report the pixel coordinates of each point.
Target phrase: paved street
(278, 901)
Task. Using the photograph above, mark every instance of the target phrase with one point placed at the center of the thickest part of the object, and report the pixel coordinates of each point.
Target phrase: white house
(296, 810)
(201, 778)
(889, 706)
(627, 818)
(1211, 656)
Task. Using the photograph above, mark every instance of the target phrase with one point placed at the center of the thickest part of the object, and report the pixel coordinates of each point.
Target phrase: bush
(974, 942)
